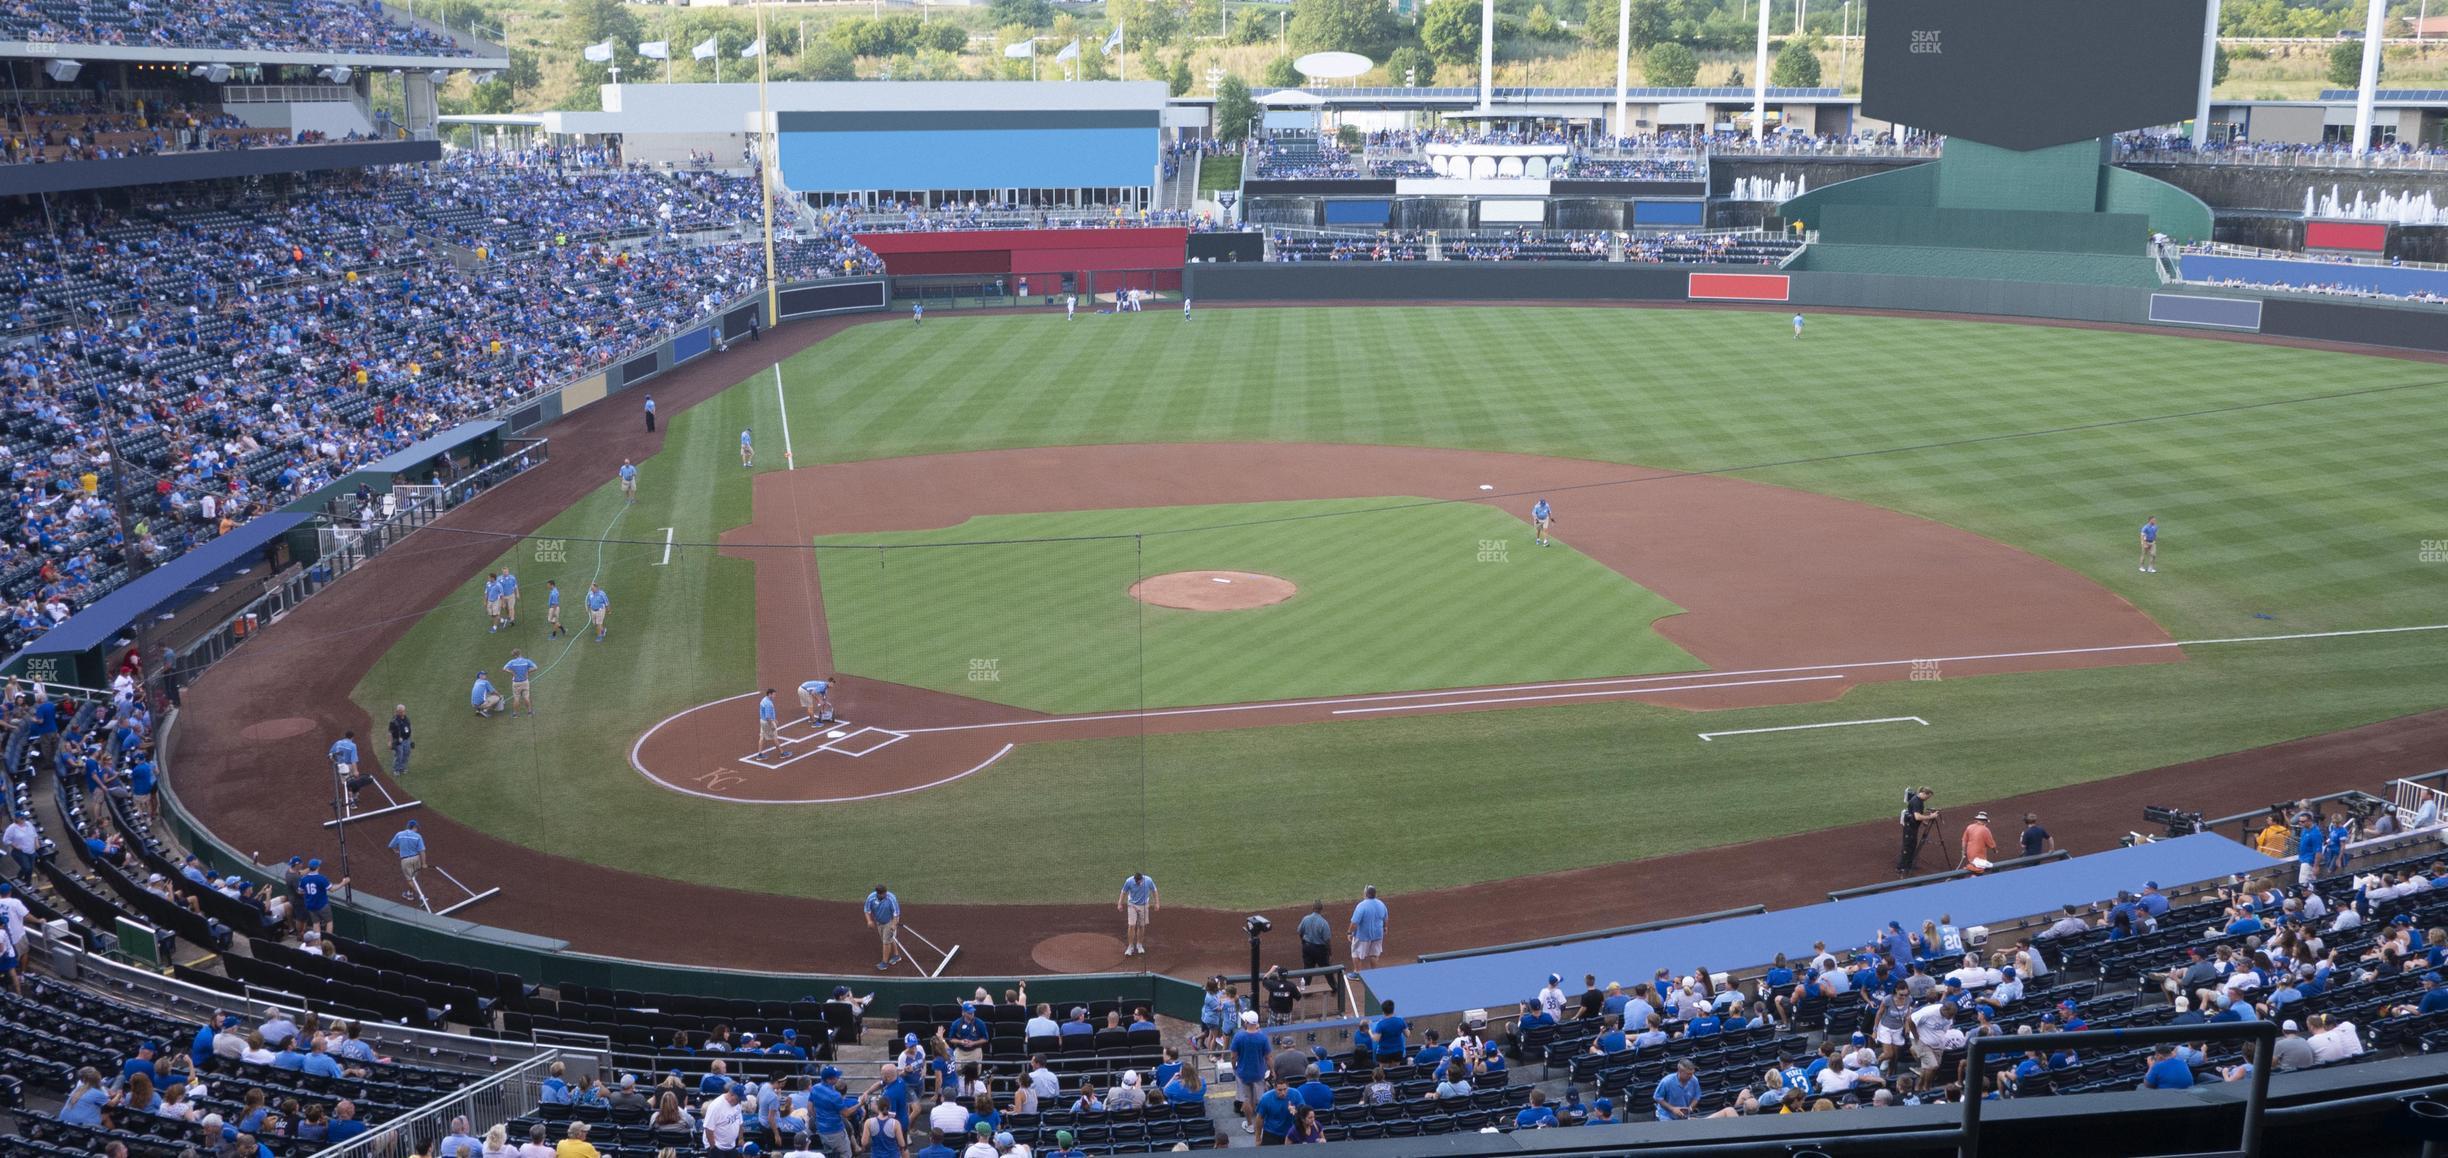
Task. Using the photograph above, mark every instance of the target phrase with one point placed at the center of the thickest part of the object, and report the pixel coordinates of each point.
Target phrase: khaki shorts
(768, 732)
(492, 606)
(889, 934)
(510, 606)
(552, 614)
(1924, 1054)
(1364, 950)
(1136, 915)
(411, 865)
(807, 701)
(522, 693)
(595, 618)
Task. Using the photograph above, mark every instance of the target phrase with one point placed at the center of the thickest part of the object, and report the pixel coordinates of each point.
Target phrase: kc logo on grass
(552, 551)
(1493, 551)
(985, 671)
(1924, 671)
(2432, 551)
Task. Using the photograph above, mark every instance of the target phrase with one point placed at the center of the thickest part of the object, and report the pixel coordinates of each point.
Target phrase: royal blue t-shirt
(1249, 1049)
(2168, 1073)
(314, 892)
(1389, 1031)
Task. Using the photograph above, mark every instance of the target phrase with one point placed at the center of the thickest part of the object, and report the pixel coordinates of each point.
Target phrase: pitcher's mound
(1078, 953)
(1212, 590)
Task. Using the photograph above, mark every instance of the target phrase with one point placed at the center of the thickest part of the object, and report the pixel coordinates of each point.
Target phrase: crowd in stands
(95, 129)
(1530, 243)
(1301, 159)
(1527, 245)
(1387, 245)
(1687, 249)
(2329, 289)
(249, 347)
(347, 26)
(895, 216)
(2345, 959)
(2178, 146)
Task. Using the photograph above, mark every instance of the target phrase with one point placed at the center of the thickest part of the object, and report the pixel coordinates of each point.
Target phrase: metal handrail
(1595, 934)
(2262, 1034)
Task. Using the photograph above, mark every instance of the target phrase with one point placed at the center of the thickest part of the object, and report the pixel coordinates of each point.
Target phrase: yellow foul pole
(766, 165)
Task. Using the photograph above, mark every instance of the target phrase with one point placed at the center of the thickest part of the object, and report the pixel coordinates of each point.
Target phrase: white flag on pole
(755, 49)
(1069, 53)
(1021, 51)
(655, 50)
(706, 49)
(1113, 41)
(599, 53)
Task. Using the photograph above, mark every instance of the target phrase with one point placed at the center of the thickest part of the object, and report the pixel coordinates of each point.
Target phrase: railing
(2287, 159)
(235, 94)
(2247, 823)
(493, 1100)
(191, 1002)
(2225, 249)
(2262, 1034)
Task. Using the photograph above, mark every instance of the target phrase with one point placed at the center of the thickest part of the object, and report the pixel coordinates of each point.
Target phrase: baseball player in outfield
(2150, 544)
(597, 604)
(816, 695)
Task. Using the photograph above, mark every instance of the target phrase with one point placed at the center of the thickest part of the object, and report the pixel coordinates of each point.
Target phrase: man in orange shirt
(1978, 843)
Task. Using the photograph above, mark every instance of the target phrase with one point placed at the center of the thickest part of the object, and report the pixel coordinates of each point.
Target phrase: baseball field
(1929, 523)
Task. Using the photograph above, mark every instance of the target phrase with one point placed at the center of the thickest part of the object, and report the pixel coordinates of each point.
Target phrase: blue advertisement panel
(691, 344)
(1357, 212)
(1668, 212)
(1003, 158)
(2189, 310)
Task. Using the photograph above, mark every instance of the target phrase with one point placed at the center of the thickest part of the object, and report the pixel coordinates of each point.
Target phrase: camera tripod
(1931, 834)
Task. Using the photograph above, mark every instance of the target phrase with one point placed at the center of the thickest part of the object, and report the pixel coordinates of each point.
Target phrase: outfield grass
(2309, 512)
(1046, 599)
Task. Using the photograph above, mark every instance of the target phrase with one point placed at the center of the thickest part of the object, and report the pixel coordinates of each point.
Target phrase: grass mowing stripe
(2310, 513)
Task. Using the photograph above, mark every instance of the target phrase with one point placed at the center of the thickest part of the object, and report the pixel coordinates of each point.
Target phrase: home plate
(837, 733)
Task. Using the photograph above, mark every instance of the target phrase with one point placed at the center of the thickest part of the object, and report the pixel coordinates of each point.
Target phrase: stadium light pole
(2373, 23)
(1759, 77)
(1623, 61)
(2209, 65)
(767, 165)
(1487, 55)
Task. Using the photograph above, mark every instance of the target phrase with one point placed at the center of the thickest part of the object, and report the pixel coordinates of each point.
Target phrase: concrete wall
(2282, 187)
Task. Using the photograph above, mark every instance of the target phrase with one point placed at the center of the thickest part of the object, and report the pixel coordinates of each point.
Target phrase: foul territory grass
(2294, 485)
(1386, 590)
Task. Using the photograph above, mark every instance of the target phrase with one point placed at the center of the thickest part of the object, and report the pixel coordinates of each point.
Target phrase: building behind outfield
(1090, 143)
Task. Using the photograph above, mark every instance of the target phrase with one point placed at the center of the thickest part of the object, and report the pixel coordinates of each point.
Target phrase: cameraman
(1912, 822)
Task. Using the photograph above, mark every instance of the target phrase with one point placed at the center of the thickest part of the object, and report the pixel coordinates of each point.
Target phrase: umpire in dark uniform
(1912, 822)
(1316, 938)
(402, 741)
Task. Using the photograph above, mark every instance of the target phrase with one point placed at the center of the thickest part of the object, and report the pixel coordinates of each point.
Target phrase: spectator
(1677, 1093)
(1367, 929)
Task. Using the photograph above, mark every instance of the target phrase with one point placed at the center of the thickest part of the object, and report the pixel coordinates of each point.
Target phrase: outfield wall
(2403, 326)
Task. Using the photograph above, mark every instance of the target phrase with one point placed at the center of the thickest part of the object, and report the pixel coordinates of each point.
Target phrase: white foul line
(1580, 695)
(788, 463)
(1759, 671)
(667, 546)
(1705, 737)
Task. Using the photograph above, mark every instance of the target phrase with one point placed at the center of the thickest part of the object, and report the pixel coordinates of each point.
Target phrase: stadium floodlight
(63, 71)
(337, 73)
(216, 73)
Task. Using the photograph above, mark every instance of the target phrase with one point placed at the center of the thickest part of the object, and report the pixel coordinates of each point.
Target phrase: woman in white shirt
(256, 1053)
